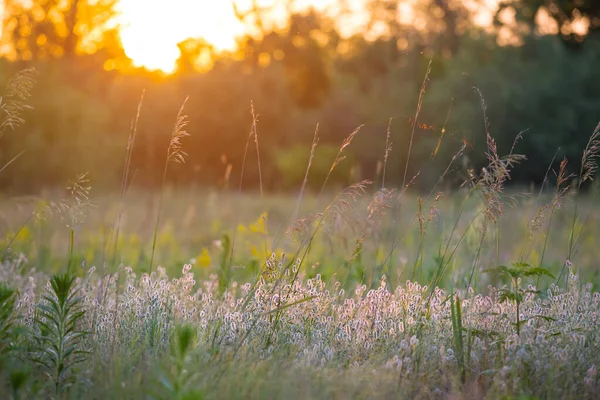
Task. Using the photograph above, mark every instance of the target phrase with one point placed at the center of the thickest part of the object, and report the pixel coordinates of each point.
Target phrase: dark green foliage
(457, 330)
(60, 332)
(540, 87)
(563, 12)
(225, 263)
(176, 381)
(13, 372)
(515, 293)
(7, 318)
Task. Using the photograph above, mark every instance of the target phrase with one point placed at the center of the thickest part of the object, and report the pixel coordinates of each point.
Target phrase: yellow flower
(204, 259)
(260, 225)
(23, 234)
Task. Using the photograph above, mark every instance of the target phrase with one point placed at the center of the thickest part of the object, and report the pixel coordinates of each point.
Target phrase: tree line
(543, 86)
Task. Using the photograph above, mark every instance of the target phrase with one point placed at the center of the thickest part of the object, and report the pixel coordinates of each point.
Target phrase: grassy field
(241, 306)
(354, 243)
(367, 292)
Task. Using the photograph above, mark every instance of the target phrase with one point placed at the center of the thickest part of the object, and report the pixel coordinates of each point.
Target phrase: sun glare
(151, 29)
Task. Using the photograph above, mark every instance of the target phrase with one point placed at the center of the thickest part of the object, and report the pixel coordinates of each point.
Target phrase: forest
(536, 79)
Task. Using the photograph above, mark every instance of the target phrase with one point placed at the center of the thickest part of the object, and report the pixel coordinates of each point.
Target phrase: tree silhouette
(564, 12)
(46, 29)
(195, 55)
(445, 21)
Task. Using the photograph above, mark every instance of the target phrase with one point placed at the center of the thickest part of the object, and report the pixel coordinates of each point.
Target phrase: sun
(151, 29)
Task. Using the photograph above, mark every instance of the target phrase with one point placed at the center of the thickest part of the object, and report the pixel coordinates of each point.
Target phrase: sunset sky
(152, 29)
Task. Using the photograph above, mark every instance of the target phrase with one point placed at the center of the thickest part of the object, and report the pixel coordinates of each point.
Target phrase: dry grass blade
(442, 133)
(315, 142)
(72, 208)
(125, 180)
(339, 157)
(456, 155)
(562, 186)
(538, 221)
(302, 226)
(414, 125)
(79, 188)
(14, 102)
(388, 150)
(352, 192)
(589, 162)
(492, 179)
(381, 202)
(175, 152)
(255, 132)
(12, 160)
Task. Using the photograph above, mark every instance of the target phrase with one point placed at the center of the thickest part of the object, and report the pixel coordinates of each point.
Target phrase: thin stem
(388, 149)
(71, 248)
(17, 234)
(236, 214)
(254, 130)
(175, 154)
(160, 200)
(410, 144)
(125, 179)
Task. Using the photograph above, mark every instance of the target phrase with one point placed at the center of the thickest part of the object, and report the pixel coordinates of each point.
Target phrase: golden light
(151, 29)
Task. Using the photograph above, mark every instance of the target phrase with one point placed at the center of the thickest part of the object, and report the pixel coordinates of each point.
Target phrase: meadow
(477, 291)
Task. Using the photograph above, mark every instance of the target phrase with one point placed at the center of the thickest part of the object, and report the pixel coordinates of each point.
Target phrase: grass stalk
(125, 180)
(174, 154)
(589, 165)
(396, 221)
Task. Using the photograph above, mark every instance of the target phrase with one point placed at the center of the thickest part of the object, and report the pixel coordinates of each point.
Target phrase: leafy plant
(60, 335)
(7, 318)
(457, 333)
(176, 381)
(18, 378)
(226, 254)
(10, 369)
(516, 293)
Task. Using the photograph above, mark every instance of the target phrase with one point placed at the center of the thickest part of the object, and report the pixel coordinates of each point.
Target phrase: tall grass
(319, 316)
(589, 165)
(126, 180)
(175, 154)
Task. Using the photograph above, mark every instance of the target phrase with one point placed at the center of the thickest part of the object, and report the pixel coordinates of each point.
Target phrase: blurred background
(340, 64)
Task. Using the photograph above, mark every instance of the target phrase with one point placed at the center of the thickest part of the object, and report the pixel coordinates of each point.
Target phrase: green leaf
(505, 271)
(544, 317)
(507, 295)
(538, 271)
(59, 338)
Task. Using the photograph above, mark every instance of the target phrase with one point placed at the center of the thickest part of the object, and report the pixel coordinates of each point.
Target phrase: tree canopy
(295, 76)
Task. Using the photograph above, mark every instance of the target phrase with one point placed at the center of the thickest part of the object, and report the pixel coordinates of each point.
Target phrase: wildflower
(414, 342)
